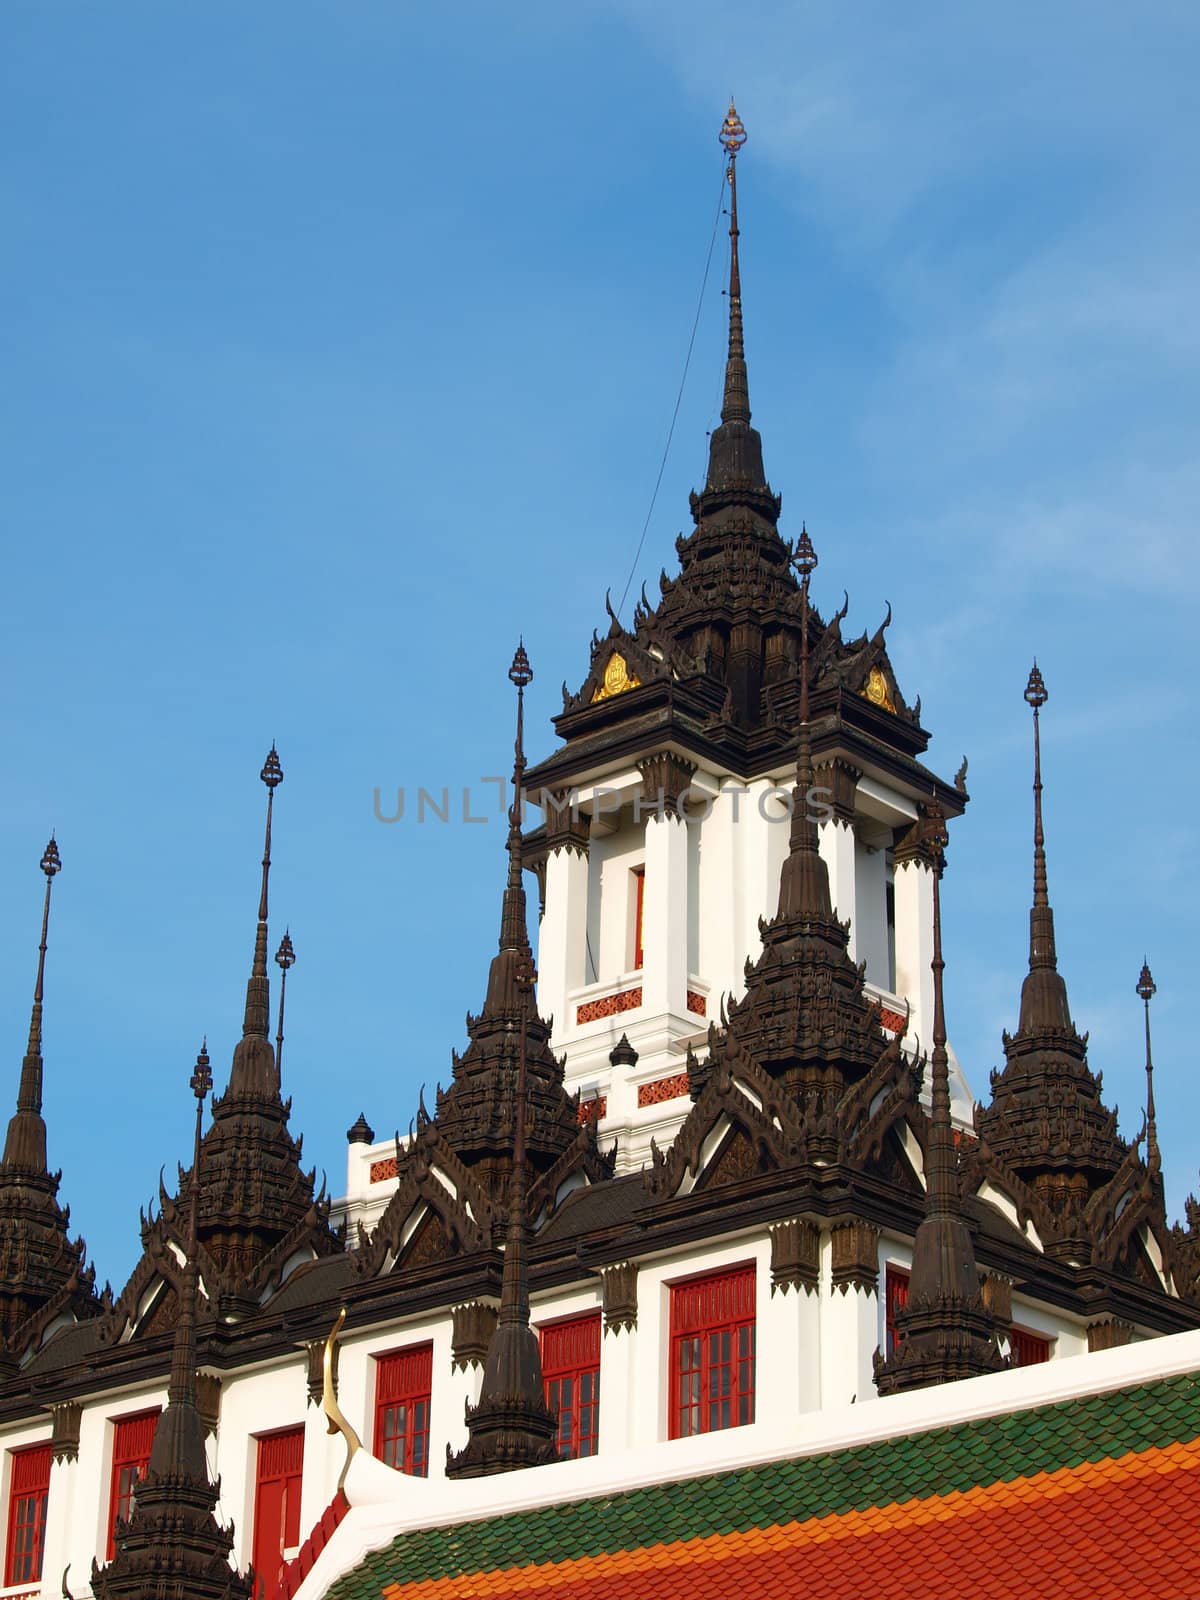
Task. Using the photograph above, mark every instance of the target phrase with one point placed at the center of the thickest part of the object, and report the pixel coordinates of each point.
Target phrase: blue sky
(340, 344)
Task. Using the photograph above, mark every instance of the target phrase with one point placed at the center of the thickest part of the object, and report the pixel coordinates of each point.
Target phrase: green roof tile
(962, 1456)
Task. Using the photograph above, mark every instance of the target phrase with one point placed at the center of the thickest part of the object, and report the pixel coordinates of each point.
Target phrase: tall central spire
(1147, 989)
(258, 1005)
(736, 404)
(735, 449)
(25, 1146)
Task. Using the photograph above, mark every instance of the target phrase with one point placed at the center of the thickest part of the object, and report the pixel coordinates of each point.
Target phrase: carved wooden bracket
(619, 1289)
(314, 1350)
(996, 1290)
(208, 1400)
(64, 1435)
(473, 1325)
(665, 777)
(855, 1256)
(795, 1256)
(1108, 1334)
(841, 781)
(567, 827)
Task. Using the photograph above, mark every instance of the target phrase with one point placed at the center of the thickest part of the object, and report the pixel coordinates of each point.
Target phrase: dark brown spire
(1046, 1118)
(512, 1426)
(285, 959)
(42, 1270)
(735, 449)
(944, 1332)
(1147, 988)
(804, 885)
(25, 1146)
(1043, 994)
(172, 1544)
(258, 1002)
(256, 1197)
(475, 1114)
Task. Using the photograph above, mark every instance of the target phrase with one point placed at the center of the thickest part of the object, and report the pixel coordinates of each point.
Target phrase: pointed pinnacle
(285, 956)
(51, 862)
(1146, 986)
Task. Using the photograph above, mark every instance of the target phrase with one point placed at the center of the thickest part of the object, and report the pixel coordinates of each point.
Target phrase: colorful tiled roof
(1082, 1500)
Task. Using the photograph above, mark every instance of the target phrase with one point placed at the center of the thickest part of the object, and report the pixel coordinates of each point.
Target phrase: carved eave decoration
(435, 1190)
(620, 663)
(581, 1163)
(75, 1300)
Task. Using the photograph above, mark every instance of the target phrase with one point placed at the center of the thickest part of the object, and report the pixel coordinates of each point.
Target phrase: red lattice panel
(592, 1110)
(653, 1094)
(611, 1005)
(381, 1171)
(893, 1020)
(697, 1003)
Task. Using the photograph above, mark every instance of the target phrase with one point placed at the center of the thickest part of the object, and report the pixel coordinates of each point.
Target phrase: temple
(706, 1267)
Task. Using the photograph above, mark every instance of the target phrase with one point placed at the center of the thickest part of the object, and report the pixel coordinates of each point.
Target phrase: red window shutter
(1027, 1349)
(277, 1506)
(895, 1299)
(403, 1385)
(639, 890)
(28, 1499)
(571, 1374)
(713, 1352)
(133, 1439)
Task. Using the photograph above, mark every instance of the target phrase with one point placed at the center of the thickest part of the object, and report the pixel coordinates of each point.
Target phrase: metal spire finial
(1041, 919)
(736, 405)
(804, 560)
(513, 933)
(285, 959)
(1146, 989)
(25, 1144)
(256, 1019)
(51, 864)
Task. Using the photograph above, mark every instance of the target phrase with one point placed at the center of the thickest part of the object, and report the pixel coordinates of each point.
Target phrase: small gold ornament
(876, 691)
(617, 678)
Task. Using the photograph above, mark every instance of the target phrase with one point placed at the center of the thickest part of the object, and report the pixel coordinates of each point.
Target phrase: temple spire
(285, 959)
(804, 886)
(944, 1332)
(179, 1437)
(735, 449)
(172, 1544)
(514, 929)
(512, 1426)
(257, 1015)
(1044, 993)
(735, 406)
(25, 1146)
(1147, 988)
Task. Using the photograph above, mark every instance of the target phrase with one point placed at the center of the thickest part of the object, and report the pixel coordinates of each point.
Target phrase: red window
(277, 1508)
(133, 1438)
(571, 1371)
(639, 903)
(28, 1497)
(403, 1382)
(895, 1299)
(1027, 1349)
(712, 1352)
